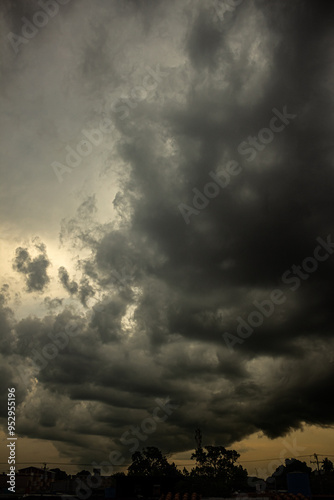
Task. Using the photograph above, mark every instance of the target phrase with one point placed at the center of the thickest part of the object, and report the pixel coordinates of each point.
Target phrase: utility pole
(198, 438)
(45, 477)
(316, 461)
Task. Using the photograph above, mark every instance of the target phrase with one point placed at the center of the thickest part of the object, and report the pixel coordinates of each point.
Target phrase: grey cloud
(204, 40)
(86, 291)
(107, 320)
(34, 269)
(164, 292)
(7, 323)
(64, 278)
(52, 303)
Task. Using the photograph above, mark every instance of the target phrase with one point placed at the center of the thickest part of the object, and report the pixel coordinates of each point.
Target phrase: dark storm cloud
(34, 269)
(209, 273)
(14, 11)
(64, 278)
(86, 291)
(8, 360)
(164, 292)
(108, 320)
(266, 221)
(6, 325)
(204, 41)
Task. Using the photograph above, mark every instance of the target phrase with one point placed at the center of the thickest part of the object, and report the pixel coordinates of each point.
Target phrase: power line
(278, 458)
(267, 459)
(58, 463)
(184, 461)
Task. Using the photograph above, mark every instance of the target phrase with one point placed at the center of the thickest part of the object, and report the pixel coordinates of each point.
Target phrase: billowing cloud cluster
(35, 270)
(161, 291)
(70, 286)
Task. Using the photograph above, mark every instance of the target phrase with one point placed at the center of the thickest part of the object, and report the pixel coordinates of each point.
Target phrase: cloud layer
(189, 88)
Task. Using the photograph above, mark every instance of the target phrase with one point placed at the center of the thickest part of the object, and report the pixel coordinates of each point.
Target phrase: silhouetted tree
(185, 472)
(327, 466)
(323, 480)
(216, 465)
(151, 462)
(83, 473)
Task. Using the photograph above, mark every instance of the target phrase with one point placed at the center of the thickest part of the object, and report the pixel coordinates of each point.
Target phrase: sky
(167, 229)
